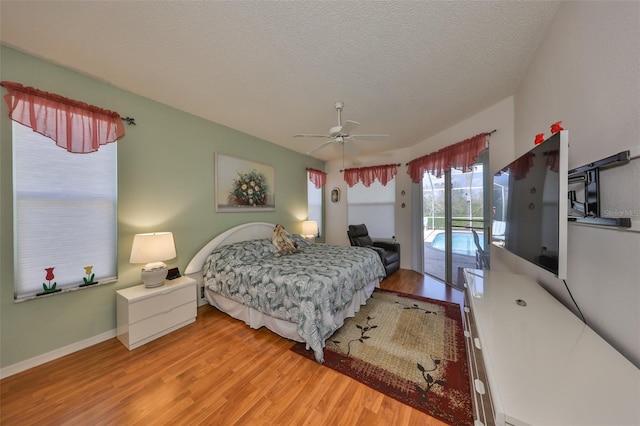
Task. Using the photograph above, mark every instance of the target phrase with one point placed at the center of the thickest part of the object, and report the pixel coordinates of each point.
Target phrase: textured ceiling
(274, 69)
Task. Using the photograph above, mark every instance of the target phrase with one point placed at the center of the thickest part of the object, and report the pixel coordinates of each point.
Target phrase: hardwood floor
(216, 371)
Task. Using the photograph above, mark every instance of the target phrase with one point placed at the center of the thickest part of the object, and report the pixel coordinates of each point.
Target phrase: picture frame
(243, 185)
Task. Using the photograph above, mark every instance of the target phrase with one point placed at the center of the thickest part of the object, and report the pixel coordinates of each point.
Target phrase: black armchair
(388, 251)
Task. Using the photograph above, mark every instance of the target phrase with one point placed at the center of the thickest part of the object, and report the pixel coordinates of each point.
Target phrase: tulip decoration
(51, 287)
(88, 280)
(539, 139)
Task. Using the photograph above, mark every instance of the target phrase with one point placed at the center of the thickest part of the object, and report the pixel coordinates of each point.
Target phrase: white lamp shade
(309, 228)
(152, 247)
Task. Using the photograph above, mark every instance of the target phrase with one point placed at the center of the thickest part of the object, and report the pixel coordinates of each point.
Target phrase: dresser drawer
(163, 322)
(160, 302)
(144, 314)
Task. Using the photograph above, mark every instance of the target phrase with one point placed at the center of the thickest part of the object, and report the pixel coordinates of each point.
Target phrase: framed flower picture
(244, 185)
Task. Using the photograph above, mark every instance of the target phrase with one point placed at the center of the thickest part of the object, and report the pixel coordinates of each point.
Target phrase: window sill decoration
(51, 288)
(89, 279)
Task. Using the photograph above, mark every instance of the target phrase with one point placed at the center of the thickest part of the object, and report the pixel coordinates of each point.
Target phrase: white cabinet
(144, 314)
(545, 366)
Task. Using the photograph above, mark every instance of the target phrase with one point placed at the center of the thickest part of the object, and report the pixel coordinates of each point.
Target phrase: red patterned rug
(408, 347)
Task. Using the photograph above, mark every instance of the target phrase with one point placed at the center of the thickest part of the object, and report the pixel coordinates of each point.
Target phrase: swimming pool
(462, 243)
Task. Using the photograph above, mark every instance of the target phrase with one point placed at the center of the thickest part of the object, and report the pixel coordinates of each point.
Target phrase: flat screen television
(530, 205)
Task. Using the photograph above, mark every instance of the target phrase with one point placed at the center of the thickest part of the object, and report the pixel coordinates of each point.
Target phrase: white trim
(417, 227)
(55, 354)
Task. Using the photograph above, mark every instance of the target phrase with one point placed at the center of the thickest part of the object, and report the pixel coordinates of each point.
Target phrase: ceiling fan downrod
(339, 106)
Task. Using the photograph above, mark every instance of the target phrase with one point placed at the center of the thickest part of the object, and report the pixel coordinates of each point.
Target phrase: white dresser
(544, 365)
(144, 314)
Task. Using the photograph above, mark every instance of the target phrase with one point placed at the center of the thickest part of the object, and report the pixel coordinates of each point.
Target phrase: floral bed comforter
(307, 287)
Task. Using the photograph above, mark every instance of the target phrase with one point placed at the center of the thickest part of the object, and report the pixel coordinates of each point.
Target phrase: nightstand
(144, 314)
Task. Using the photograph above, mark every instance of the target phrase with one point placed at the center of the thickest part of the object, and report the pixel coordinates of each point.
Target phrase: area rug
(409, 348)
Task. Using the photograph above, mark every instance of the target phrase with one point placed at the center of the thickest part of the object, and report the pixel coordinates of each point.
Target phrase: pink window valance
(75, 126)
(367, 175)
(461, 155)
(553, 160)
(317, 177)
(519, 169)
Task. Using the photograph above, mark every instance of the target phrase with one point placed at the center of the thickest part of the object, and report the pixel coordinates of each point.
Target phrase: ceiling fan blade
(310, 136)
(369, 136)
(348, 127)
(319, 147)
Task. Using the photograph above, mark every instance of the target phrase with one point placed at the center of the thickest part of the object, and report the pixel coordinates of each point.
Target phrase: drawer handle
(167, 311)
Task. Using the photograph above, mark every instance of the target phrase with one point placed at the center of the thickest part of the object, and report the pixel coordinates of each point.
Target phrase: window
(65, 213)
(314, 203)
(374, 206)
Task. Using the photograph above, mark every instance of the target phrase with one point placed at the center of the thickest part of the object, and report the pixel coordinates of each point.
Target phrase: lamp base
(154, 277)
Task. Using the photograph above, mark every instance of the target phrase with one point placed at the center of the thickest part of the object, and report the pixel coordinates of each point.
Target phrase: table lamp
(152, 249)
(309, 229)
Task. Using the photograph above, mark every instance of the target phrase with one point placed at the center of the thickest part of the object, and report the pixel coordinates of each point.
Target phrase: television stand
(544, 366)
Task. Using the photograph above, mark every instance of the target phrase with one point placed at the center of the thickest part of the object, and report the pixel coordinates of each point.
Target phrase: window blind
(65, 213)
(314, 203)
(374, 206)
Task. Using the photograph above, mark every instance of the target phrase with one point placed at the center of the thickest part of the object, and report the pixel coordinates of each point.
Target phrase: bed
(304, 296)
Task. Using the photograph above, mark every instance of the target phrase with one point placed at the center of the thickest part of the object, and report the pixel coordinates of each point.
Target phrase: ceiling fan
(340, 134)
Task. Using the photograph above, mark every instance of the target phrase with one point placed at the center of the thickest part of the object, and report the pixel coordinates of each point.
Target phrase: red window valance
(75, 126)
(367, 175)
(553, 160)
(317, 177)
(461, 155)
(519, 169)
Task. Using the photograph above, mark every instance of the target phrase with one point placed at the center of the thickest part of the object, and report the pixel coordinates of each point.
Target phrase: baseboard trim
(55, 354)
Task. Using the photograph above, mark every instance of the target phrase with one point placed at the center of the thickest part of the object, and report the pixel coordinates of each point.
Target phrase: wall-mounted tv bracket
(589, 176)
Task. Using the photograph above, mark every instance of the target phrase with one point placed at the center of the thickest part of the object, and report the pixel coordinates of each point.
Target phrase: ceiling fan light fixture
(340, 134)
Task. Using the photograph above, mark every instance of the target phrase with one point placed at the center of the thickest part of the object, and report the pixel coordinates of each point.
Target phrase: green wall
(165, 183)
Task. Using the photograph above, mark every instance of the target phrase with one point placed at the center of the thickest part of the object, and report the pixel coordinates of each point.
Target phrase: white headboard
(244, 232)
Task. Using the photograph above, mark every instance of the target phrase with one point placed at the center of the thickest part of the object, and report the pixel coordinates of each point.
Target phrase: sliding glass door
(454, 228)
